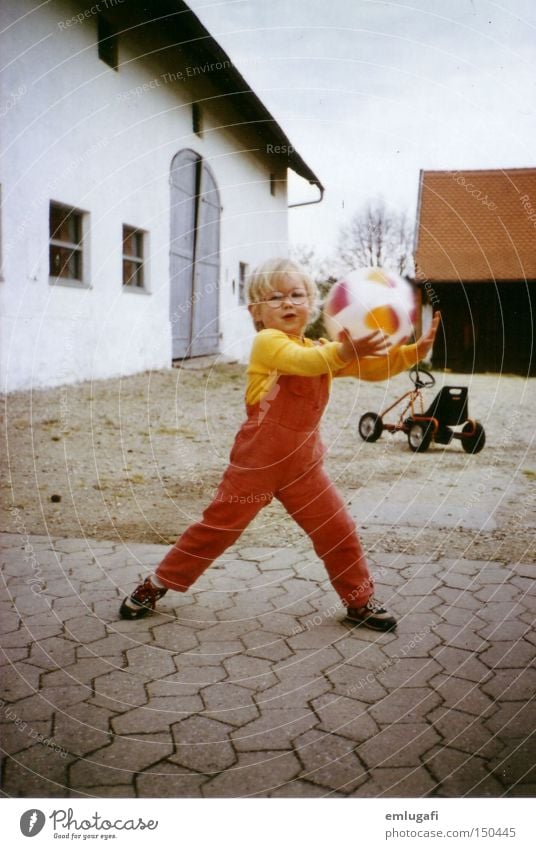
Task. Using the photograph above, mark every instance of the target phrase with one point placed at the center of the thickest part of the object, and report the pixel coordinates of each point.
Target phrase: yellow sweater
(274, 353)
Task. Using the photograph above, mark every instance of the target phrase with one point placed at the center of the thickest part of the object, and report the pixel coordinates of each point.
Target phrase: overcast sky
(370, 91)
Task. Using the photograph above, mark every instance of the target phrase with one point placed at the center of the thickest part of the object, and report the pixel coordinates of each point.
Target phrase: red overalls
(277, 452)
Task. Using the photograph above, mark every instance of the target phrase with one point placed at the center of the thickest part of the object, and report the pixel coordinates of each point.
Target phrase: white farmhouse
(141, 179)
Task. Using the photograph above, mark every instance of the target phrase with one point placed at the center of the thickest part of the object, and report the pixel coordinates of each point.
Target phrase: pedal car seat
(449, 406)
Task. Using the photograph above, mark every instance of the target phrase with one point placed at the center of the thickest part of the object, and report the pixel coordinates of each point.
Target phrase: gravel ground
(138, 458)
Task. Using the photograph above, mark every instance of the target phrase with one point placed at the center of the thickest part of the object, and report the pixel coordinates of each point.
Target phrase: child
(278, 452)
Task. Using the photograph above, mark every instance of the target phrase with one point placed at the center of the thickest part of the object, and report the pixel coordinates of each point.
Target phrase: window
(107, 40)
(133, 260)
(197, 119)
(243, 269)
(272, 184)
(66, 234)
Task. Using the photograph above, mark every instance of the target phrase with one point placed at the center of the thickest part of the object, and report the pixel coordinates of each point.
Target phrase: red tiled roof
(476, 225)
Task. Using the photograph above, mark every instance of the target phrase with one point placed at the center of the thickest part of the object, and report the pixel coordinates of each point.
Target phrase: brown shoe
(372, 615)
(143, 598)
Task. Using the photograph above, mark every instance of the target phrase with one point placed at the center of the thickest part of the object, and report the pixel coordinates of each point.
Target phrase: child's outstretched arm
(274, 351)
(373, 345)
(424, 344)
(399, 358)
(371, 358)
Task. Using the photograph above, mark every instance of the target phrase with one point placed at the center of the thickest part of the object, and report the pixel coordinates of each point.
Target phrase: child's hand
(427, 339)
(373, 345)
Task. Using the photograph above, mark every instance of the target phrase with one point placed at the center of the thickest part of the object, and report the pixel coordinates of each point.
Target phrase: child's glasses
(297, 298)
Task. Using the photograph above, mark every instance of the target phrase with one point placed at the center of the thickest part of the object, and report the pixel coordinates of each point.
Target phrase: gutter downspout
(320, 188)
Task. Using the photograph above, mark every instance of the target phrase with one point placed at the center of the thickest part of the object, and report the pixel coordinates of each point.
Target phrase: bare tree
(319, 269)
(377, 235)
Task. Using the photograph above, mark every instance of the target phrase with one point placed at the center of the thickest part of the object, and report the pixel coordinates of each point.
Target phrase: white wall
(79, 133)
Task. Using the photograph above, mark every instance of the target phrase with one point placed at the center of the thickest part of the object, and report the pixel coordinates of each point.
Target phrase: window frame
(140, 260)
(79, 247)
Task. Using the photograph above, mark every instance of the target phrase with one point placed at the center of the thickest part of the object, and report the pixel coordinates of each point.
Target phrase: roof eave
(195, 36)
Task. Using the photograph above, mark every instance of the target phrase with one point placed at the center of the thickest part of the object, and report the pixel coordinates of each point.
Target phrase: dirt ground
(136, 459)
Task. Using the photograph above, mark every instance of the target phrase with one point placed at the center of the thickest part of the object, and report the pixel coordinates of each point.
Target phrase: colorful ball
(371, 299)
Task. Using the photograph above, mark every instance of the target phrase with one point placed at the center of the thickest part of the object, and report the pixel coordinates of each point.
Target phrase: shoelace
(146, 592)
(374, 606)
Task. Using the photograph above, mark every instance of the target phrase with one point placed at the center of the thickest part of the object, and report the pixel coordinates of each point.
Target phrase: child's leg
(316, 505)
(223, 522)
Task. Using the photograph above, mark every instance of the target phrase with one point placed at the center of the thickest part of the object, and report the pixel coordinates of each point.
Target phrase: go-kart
(447, 411)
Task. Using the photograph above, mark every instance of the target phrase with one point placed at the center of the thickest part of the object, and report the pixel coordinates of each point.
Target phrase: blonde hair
(266, 277)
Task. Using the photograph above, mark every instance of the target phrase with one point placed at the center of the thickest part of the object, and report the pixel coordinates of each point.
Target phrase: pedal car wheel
(419, 436)
(475, 442)
(370, 427)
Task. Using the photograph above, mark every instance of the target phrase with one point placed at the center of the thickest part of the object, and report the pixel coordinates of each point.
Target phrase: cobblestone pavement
(253, 684)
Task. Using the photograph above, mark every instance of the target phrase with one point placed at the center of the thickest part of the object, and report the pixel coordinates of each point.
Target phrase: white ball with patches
(371, 299)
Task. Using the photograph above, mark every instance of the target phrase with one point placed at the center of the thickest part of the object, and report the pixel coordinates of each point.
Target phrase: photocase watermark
(250, 498)
(338, 606)
(266, 401)
(138, 90)
(31, 822)
(423, 280)
(280, 148)
(182, 75)
(36, 582)
(529, 209)
(195, 71)
(178, 76)
(186, 306)
(471, 189)
(10, 713)
(51, 188)
(527, 509)
(12, 100)
(79, 18)
(65, 819)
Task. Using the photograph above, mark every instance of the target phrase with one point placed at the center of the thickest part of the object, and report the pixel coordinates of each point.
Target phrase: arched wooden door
(194, 257)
